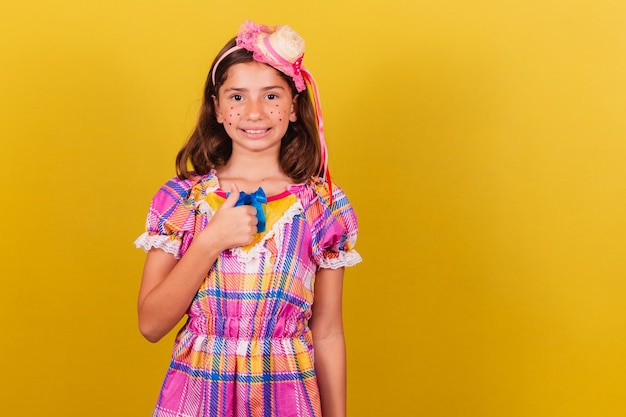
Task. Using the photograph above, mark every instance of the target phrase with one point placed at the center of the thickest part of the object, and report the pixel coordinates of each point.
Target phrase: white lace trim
(147, 242)
(350, 258)
(258, 249)
(277, 231)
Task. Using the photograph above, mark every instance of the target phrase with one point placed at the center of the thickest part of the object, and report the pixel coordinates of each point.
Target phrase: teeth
(256, 131)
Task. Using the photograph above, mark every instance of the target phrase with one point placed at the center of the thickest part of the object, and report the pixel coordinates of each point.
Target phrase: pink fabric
(246, 349)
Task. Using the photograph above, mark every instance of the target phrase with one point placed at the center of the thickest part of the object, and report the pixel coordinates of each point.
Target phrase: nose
(254, 109)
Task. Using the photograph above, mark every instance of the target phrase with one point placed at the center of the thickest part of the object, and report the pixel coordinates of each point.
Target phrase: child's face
(255, 105)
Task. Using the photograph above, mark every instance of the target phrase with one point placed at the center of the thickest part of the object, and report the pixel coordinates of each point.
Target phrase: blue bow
(255, 200)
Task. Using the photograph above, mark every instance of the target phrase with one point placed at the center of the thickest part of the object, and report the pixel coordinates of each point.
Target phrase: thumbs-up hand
(231, 226)
(231, 200)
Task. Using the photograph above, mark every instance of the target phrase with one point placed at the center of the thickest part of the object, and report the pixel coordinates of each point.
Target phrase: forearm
(330, 368)
(166, 303)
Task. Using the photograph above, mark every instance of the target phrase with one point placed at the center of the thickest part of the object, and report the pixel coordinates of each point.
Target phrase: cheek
(279, 113)
(231, 116)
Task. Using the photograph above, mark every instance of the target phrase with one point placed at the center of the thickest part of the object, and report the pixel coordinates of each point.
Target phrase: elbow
(326, 329)
(152, 338)
(149, 332)
(322, 337)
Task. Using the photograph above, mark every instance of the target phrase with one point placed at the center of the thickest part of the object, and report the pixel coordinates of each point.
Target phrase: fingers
(245, 225)
(234, 226)
(248, 216)
(231, 200)
(248, 223)
(250, 210)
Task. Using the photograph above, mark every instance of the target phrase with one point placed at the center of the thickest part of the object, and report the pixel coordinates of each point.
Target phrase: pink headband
(282, 48)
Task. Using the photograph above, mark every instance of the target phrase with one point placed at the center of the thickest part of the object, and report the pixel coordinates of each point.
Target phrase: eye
(272, 96)
(236, 97)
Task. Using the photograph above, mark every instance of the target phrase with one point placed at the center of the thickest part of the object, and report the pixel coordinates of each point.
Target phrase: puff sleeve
(334, 230)
(171, 218)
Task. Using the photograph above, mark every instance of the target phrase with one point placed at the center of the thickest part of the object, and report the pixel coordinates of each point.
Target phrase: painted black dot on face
(230, 124)
(237, 114)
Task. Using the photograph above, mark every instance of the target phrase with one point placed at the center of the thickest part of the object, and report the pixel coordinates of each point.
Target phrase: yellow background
(482, 142)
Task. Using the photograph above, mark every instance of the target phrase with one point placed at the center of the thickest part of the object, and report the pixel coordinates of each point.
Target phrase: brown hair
(209, 146)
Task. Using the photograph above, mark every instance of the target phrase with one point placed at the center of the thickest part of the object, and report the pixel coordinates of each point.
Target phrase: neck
(251, 171)
(252, 166)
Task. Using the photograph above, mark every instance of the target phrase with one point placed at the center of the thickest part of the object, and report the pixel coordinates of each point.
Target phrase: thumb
(231, 200)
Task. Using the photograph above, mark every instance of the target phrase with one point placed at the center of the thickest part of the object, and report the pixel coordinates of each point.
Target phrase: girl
(243, 265)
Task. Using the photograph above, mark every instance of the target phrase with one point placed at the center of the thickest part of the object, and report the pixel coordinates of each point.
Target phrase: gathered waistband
(247, 327)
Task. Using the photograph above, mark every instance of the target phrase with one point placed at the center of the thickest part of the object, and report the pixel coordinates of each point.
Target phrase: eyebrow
(243, 90)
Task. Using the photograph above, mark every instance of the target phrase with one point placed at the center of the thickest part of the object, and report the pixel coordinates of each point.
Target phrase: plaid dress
(246, 350)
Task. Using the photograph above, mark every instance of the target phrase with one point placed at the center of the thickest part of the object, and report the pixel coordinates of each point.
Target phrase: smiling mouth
(255, 131)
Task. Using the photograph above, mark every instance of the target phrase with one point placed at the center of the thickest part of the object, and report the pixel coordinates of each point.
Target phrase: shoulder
(177, 188)
(333, 222)
(320, 192)
(172, 215)
(326, 205)
(186, 190)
